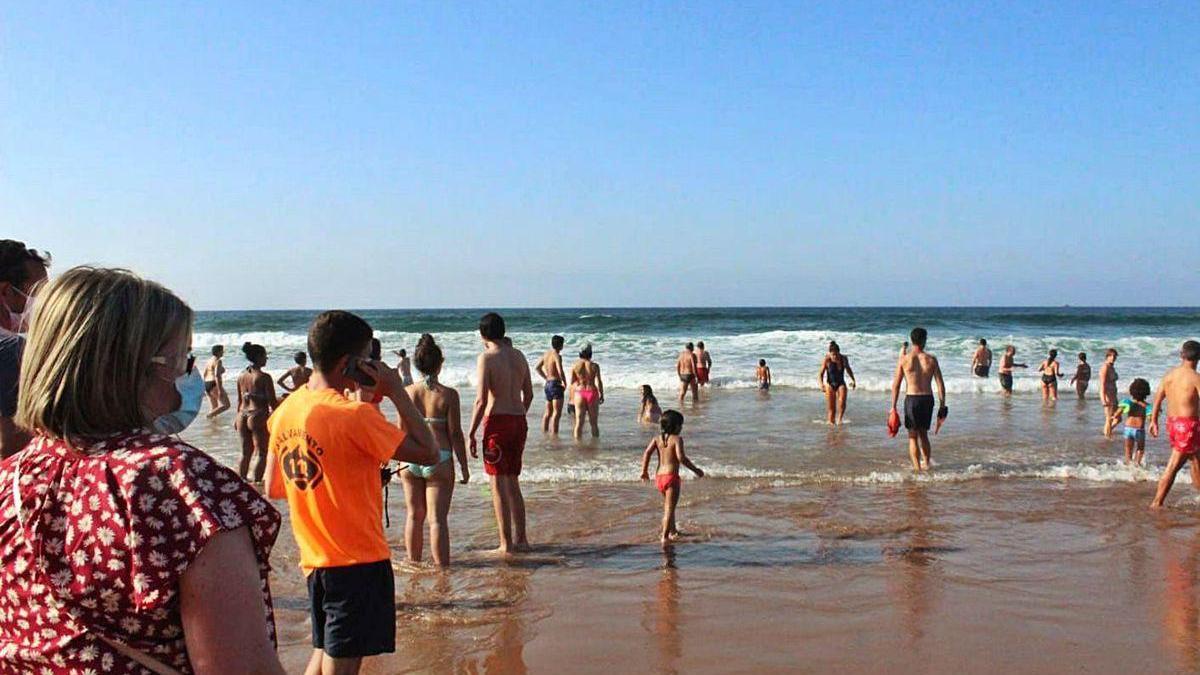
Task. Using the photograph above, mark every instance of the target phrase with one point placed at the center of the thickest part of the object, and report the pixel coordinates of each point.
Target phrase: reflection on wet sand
(911, 586)
(662, 620)
(1181, 616)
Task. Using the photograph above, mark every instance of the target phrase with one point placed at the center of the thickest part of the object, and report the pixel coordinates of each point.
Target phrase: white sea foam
(630, 360)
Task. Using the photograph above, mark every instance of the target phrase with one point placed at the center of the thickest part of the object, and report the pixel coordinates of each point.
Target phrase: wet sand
(1029, 548)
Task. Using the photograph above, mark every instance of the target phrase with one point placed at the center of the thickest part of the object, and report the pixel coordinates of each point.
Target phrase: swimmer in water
(1083, 375)
(918, 371)
(832, 380)
(404, 367)
(550, 368)
(430, 487)
(685, 368)
(763, 375)
(1108, 387)
(214, 382)
(1007, 363)
(981, 363)
(1050, 373)
(1135, 410)
(1181, 389)
(649, 412)
(297, 374)
(589, 392)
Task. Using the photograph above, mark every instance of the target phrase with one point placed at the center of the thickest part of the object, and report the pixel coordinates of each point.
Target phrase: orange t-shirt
(328, 451)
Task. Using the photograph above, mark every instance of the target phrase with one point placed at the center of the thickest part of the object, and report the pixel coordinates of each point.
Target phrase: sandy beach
(1028, 548)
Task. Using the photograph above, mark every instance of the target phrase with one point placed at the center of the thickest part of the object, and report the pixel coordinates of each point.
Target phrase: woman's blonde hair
(93, 334)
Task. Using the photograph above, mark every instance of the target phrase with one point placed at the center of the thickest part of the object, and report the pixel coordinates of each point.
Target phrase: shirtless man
(918, 370)
(504, 392)
(297, 374)
(404, 367)
(685, 368)
(1007, 363)
(981, 363)
(703, 364)
(1108, 386)
(1181, 387)
(550, 368)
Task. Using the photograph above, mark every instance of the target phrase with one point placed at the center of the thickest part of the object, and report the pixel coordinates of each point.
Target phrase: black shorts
(918, 412)
(1006, 381)
(982, 371)
(353, 609)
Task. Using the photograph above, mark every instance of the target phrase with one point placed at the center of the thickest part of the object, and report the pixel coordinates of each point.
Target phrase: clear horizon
(622, 155)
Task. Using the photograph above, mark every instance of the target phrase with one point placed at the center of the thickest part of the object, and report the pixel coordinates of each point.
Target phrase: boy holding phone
(325, 454)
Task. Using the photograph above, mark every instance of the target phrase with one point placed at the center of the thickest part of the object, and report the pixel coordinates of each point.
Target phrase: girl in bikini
(424, 485)
(589, 391)
(669, 446)
(1050, 374)
(214, 382)
(650, 412)
(256, 400)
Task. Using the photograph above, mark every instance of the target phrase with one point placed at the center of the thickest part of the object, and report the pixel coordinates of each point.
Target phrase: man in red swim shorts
(504, 394)
(1181, 388)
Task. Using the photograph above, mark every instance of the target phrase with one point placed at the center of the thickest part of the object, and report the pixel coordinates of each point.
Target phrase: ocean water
(639, 346)
(1029, 547)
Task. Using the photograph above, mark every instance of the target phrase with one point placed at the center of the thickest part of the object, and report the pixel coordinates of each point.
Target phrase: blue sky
(571, 154)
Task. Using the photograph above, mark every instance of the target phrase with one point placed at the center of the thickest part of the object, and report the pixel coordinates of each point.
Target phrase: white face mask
(191, 395)
(20, 320)
(190, 386)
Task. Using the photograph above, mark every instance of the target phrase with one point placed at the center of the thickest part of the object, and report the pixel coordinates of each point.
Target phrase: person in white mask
(167, 551)
(23, 272)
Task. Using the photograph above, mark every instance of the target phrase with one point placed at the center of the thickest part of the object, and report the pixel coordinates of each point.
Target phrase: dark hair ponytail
(671, 423)
(428, 355)
(586, 353)
(254, 353)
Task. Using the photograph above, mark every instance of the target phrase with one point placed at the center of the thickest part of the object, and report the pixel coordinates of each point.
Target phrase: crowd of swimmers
(107, 383)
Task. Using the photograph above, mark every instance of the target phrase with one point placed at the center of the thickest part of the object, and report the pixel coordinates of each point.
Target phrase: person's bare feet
(523, 547)
(502, 551)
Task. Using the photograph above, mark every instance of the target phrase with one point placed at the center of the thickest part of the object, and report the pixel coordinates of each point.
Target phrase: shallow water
(1029, 547)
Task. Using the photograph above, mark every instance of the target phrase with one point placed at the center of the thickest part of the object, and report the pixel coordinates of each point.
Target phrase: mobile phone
(354, 372)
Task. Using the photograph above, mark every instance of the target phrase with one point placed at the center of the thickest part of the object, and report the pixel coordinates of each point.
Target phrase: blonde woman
(165, 566)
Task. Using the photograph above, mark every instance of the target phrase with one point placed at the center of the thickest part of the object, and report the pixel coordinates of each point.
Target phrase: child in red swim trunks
(1181, 388)
(669, 446)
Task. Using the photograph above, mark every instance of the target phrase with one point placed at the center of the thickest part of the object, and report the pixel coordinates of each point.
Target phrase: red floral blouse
(99, 545)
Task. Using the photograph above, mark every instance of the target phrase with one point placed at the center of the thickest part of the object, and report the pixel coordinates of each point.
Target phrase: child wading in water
(1135, 411)
(669, 446)
(763, 374)
(650, 412)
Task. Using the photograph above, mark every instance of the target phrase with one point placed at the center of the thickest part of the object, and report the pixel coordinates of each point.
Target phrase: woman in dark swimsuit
(1050, 374)
(256, 400)
(832, 379)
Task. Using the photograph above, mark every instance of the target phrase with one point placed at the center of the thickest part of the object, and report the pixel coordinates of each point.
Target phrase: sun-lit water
(1029, 546)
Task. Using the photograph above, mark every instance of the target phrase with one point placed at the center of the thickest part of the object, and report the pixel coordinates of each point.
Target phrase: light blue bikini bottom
(423, 471)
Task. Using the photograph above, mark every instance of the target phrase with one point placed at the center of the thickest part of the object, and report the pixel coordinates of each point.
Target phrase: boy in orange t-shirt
(325, 454)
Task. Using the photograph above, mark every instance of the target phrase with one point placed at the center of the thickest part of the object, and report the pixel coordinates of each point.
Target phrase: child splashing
(669, 446)
(1135, 411)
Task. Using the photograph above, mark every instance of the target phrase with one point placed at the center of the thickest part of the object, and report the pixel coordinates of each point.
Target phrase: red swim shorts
(666, 480)
(701, 375)
(503, 444)
(1184, 433)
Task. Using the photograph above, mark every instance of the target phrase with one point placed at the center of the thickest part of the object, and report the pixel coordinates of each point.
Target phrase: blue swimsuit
(426, 471)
